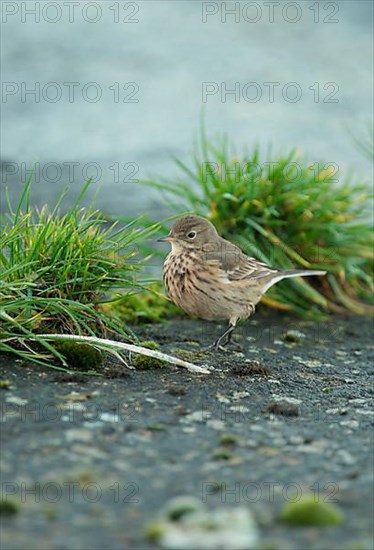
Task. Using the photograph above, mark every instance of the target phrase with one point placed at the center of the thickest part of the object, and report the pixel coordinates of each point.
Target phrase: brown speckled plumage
(211, 278)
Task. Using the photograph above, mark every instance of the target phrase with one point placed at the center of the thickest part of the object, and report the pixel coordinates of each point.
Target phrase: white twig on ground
(110, 344)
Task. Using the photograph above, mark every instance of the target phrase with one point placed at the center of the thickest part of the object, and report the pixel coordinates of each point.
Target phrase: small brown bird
(212, 278)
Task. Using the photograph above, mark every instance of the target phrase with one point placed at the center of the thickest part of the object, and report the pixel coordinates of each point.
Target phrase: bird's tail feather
(291, 273)
(302, 273)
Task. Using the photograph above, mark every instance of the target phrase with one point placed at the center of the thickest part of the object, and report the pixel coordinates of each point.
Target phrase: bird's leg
(218, 343)
(229, 336)
(229, 342)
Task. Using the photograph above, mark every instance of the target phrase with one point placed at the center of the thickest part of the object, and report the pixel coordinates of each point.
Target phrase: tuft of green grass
(307, 511)
(288, 213)
(57, 270)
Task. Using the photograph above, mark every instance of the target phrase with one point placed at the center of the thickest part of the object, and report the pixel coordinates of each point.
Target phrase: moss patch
(293, 336)
(307, 511)
(228, 439)
(150, 306)
(81, 357)
(222, 454)
(8, 507)
(144, 362)
(154, 531)
(181, 506)
(156, 427)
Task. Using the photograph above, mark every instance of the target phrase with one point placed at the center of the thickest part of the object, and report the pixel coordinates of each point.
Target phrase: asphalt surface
(89, 462)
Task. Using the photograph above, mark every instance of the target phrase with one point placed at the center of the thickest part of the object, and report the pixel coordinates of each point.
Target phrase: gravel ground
(90, 462)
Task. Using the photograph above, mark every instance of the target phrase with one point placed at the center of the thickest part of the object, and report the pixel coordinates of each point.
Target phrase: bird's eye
(191, 234)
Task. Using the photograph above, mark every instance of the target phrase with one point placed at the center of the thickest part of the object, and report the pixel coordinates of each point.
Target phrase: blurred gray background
(118, 88)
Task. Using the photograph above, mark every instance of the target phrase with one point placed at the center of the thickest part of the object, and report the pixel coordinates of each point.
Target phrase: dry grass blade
(108, 345)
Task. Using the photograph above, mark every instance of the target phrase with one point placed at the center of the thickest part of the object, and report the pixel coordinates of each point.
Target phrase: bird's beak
(167, 238)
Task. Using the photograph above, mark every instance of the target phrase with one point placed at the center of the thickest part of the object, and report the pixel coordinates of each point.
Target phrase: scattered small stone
(71, 407)
(197, 416)
(239, 409)
(341, 411)
(312, 363)
(239, 395)
(271, 350)
(318, 446)
(189, 429)
(345, 457)
(296, 440)
(222, 398)
(89, 453)
(366, 412)
(257, 428)
(294, 336)
(181, 410)
(15, 400)
(216, 424)
(109, 417)
(252, 443)
(150, 400)
(77, 434)
(205, 529)
(76, 396)
(268, 451)
(353, 424)
(285, 406)
(311, 512)
(278, 441)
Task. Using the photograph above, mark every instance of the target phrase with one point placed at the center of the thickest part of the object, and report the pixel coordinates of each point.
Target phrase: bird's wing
(250, 268)
(236, 265)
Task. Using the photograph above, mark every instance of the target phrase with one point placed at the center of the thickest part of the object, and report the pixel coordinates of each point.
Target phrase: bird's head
(191, 232)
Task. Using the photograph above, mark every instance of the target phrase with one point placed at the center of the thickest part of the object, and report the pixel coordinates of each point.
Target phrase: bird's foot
(214, 347)
(234, 347)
